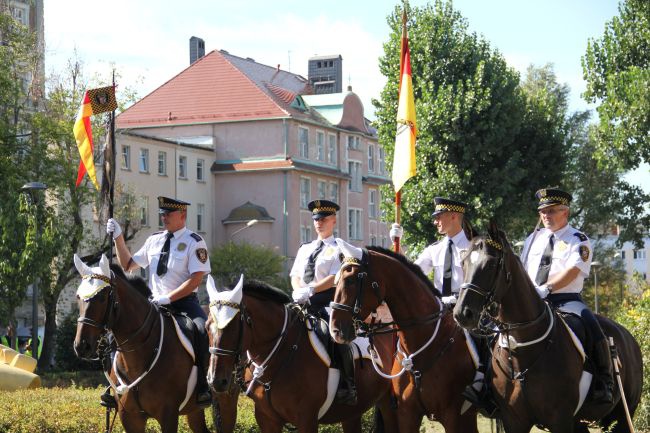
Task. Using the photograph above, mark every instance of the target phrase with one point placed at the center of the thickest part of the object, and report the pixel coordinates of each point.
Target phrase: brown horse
(154, 367)
(433, 365)
(255, 323)
(537, 369)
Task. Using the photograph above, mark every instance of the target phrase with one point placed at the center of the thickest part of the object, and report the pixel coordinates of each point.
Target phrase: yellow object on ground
(17, 370)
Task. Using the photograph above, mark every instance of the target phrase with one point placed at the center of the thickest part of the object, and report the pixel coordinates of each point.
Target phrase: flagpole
(111, 172)
(398, 193)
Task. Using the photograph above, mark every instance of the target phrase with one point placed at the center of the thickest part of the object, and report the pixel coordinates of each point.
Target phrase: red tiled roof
(216, 88)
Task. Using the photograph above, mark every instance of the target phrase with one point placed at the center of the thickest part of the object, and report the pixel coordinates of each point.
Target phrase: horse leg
(224, 410)
(352, 425)
(169, 421)
(269, 425)
(196, 421)
(409, 422)
(388, 415)
(133, 422)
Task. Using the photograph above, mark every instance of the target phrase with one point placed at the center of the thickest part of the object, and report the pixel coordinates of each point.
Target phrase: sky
(148, 40)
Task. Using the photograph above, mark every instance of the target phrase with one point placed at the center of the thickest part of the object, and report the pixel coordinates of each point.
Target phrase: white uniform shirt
(433, 258)
(571, 248)
(327, 261)
(188, 254)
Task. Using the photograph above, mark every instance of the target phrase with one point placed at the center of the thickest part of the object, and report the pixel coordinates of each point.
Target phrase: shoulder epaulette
(581, 236)
(157, 233)
(196, 237)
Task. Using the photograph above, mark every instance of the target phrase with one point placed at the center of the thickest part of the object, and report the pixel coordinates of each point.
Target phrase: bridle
(488, 322)
(361, 327)
(244, 317)
(111, 314)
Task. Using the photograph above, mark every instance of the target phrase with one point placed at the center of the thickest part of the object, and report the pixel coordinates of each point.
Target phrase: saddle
(185, 329)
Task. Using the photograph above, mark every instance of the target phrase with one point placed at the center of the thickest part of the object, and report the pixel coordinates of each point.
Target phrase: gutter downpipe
(285, 218)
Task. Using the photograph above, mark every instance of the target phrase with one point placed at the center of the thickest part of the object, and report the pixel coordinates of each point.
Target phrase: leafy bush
(65, 358)
(635, 316)
(254, 261)
(77, 410)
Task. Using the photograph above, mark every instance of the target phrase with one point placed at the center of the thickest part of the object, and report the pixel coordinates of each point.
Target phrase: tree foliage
(258, 262)
(482, 136)
(617, 70)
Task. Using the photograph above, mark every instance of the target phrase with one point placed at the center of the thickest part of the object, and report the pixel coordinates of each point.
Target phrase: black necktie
(446, 276)
(545, 263)
(164, 256)
(311, 263)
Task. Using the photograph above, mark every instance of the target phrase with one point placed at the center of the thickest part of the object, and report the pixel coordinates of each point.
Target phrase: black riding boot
(478, 392)
(107, 399)
(347, 392)
(203, 395)
(603, 379)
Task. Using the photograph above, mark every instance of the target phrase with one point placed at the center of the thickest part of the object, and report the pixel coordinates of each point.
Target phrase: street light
(31, 192)
(250, 223)
(595, 264)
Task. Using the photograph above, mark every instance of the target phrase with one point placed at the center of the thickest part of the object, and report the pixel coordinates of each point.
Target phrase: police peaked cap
(166, 204)
(322, 208)
(448, 205)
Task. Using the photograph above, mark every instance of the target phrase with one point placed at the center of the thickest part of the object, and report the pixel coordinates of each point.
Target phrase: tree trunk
(46, 360)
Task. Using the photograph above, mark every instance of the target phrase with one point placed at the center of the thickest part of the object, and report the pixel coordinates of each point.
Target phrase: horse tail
(377, 421)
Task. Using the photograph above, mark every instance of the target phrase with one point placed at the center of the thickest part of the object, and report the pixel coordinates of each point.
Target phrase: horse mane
(409, 264)
(136, 282)
(265, 292)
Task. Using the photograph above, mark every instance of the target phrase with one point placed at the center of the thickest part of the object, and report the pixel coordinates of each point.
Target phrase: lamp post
(31, 192)
(250, 223)
(595, 264)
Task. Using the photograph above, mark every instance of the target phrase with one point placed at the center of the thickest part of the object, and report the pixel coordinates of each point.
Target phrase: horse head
(485, 278)
(225, 334)
(356, 296)
(95, 306)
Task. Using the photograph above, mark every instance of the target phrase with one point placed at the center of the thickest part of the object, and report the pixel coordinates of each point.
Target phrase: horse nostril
(467, 313)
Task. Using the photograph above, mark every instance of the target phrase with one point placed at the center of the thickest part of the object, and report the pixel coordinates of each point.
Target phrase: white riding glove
(161, 300)
(302, 295)
(542, 291)
(113, 227)
(449, 300)
(396, 231)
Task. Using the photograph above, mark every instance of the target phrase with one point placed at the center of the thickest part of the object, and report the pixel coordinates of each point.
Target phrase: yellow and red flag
(404, 156)
(95, 101)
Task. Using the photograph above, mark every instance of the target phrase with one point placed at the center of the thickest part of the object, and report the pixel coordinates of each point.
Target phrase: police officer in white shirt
(557, 258)
(312, 280)
(178, 261)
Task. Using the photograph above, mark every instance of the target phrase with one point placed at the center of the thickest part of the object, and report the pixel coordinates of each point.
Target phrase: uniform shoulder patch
(584, 252)
(202, 255)
(581, 236)
(196, 237)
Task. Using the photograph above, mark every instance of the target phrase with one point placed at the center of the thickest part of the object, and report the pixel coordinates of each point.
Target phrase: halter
(107, 321)
(493, 299)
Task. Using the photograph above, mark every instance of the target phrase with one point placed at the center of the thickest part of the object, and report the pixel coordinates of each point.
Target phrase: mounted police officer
(557, 258)
(178, 261)
(312, 280)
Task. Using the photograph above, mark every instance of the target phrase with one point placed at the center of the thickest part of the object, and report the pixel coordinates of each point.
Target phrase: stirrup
(481, 400)
(107, 399)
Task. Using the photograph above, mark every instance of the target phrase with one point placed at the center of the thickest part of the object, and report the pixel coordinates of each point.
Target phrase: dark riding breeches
(190, 306)
(594, 331)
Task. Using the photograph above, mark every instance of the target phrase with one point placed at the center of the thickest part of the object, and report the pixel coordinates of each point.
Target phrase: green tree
(480, 131)
(617, 70)
(258, 262)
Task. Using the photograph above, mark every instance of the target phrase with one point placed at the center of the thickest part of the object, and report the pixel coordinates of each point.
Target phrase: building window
(383, 242)
(334, 192)
(353, 142)
(331, 150)
(160, 221)
(371, 158)
(373, 240)
(639, 254)
(322, 189)
(199, 169)
(355, 226)
(182, 167)
(303, 141)
(144, 212)
(162, 163)
(372, 203)
(354, 168)
(144, 160)
(320, 146)
(200, 212)
(382, 160)
(305, 234)
(126, 157)
(305, 192)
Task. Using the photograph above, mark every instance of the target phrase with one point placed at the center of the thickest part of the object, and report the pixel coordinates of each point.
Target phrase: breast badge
(584, 252)
(562, 246)
(181, 246)
(329, 251)
(202, 255)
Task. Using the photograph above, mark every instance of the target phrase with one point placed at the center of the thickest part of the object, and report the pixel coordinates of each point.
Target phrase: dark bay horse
(255, 324)
(154, 367)
(537, 370)
(433, 365)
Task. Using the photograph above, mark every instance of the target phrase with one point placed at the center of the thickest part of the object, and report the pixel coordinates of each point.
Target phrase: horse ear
(104, 266)
(82, 268)
(493, 229)
(238, 291)
(212, 288)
